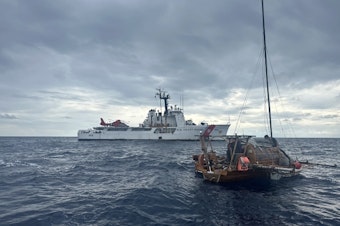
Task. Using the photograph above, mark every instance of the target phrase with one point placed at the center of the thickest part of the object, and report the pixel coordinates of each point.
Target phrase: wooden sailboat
(247, 157)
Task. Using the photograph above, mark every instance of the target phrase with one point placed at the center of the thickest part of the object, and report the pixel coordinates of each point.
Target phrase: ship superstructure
(158, 125)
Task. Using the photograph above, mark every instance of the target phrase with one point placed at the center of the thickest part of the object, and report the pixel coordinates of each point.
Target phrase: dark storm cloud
(7, 116)
(301, 37)
(163, 38)
(120, 51)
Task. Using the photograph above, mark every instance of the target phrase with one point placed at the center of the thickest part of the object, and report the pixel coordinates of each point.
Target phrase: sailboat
(247, 157)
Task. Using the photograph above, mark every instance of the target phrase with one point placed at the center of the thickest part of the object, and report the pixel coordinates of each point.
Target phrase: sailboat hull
(225, 176)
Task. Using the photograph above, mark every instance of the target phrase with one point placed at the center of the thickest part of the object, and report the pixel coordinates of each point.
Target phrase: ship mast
(165, 97)
(265, 60)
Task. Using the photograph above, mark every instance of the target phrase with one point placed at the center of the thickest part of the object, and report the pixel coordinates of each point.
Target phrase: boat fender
(243, 163)
(297, 165)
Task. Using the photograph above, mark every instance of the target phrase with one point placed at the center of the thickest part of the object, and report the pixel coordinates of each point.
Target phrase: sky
(65, 64)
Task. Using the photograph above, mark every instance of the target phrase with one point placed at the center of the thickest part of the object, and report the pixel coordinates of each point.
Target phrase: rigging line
(248, 90)
(265, 109)
(274, 102)
(279, 95)
(290, 126)
(279, 99)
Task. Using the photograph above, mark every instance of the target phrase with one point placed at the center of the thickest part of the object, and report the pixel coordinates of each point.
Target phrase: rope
(247, 93)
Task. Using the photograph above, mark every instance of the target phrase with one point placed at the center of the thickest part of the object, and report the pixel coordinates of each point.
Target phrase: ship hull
(190, 132)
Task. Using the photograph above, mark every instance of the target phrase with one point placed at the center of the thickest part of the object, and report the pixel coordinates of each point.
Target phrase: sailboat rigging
(247, 157)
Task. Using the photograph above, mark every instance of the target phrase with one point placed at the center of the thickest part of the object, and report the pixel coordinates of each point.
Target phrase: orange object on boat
(297, 165)
(243, 163)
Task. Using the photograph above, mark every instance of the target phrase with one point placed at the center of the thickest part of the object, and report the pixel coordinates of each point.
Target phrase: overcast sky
(64, 64)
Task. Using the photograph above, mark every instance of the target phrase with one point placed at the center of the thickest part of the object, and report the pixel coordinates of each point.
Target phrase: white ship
(170, 125)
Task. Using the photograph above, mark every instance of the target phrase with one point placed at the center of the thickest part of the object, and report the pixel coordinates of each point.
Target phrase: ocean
(63, 181)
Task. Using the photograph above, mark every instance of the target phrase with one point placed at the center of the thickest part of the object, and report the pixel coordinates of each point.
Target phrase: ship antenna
(165, 97)
(182, 102)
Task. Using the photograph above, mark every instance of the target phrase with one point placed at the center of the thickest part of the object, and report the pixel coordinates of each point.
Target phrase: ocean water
(61, 181)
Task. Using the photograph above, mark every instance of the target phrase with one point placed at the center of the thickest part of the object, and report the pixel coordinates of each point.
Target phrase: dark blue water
(60, 181)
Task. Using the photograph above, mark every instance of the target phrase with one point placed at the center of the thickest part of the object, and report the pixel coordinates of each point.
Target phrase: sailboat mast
(265, 61)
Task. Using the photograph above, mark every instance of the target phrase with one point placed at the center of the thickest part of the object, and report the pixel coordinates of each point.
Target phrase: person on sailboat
(232, 148)
(272, 140)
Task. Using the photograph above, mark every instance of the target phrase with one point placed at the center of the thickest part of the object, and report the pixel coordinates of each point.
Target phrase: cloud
(7, 116)
(70, 62)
